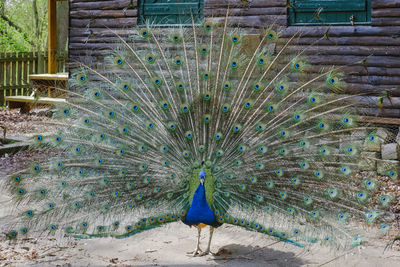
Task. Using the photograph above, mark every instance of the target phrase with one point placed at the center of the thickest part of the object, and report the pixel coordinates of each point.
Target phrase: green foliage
(18, 20)
(11, 40)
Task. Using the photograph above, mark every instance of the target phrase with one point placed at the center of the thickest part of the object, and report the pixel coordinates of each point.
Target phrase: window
(170, 11)
(316, 12)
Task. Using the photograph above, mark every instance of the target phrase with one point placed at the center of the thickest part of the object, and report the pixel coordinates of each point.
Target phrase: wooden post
(52, 63)
(41, 62)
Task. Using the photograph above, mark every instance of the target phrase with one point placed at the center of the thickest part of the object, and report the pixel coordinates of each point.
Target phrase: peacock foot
(207, 252)
(197, 252)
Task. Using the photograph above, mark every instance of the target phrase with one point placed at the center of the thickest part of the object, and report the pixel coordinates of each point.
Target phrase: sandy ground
(167, 246)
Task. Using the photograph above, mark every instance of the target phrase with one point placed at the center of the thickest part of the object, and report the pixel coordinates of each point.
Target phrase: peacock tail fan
(278, 139)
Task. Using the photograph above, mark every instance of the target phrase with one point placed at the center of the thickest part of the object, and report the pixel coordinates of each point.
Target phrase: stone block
(385, 166)
(358, 135)
(368, 161)
(390, 151)
(383, 134)
(372, 146)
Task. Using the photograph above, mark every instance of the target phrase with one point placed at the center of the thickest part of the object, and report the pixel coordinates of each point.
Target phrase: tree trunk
(36, 23)
(2, 4)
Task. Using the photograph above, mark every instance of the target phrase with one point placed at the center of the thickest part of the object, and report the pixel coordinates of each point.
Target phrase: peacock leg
(197, 250)
(208, 252)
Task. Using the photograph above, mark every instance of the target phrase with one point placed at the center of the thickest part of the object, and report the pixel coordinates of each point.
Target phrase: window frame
(291, 19)
(142, 20)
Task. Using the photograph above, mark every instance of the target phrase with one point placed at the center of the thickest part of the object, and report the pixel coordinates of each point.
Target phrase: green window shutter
(313, 12)
(170, 11)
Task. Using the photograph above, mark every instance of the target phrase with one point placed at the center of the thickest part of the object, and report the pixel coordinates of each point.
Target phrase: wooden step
(26, 102)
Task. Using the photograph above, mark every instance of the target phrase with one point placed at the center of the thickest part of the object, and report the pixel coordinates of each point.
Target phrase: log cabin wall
(376, 46)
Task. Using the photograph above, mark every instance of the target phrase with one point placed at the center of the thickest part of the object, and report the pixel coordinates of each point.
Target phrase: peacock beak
(202, 175)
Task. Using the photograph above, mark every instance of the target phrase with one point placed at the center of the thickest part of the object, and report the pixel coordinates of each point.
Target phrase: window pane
(167, 12)
(303, 12)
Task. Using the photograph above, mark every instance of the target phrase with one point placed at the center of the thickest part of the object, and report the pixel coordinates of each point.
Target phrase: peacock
(207, 124)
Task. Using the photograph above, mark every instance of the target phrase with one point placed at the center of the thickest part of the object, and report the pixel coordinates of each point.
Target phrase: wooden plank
(41, 62)
(14, 74)
(8, 74)
(46, 66)
(25, 74)
(19, 72)
(50, 77)
(32, 66)
(31, 99)
(52, 43)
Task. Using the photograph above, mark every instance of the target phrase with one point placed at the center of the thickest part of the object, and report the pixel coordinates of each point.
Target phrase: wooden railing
(15, 69)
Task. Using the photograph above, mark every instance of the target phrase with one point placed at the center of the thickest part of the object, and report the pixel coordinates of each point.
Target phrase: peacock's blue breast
(199, 211)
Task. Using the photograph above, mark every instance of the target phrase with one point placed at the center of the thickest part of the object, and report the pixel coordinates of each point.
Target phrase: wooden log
(372, 61)
(85, 14)
(385, 4)
(85, 48)
(103, 5)
(104, 23)
(385, 22)
(387, 113)
(346, 40)
(356, 88)
(343, 50)
(339, 31)
(101, 32)
(386, 12)
(374, 101)
(360, 70)
(381, 80)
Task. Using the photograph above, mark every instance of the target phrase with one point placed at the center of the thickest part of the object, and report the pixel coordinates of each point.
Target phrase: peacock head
(202, 175)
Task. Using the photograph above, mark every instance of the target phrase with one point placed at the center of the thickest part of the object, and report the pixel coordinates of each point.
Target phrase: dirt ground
(167, 246)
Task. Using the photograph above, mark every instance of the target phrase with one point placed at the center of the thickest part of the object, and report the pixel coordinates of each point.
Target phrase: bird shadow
(241, 255)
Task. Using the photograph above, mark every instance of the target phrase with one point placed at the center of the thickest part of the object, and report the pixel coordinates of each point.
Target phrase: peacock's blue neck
(200, 211)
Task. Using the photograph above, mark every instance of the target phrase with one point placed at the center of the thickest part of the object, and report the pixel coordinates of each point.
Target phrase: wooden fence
(15, 69)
